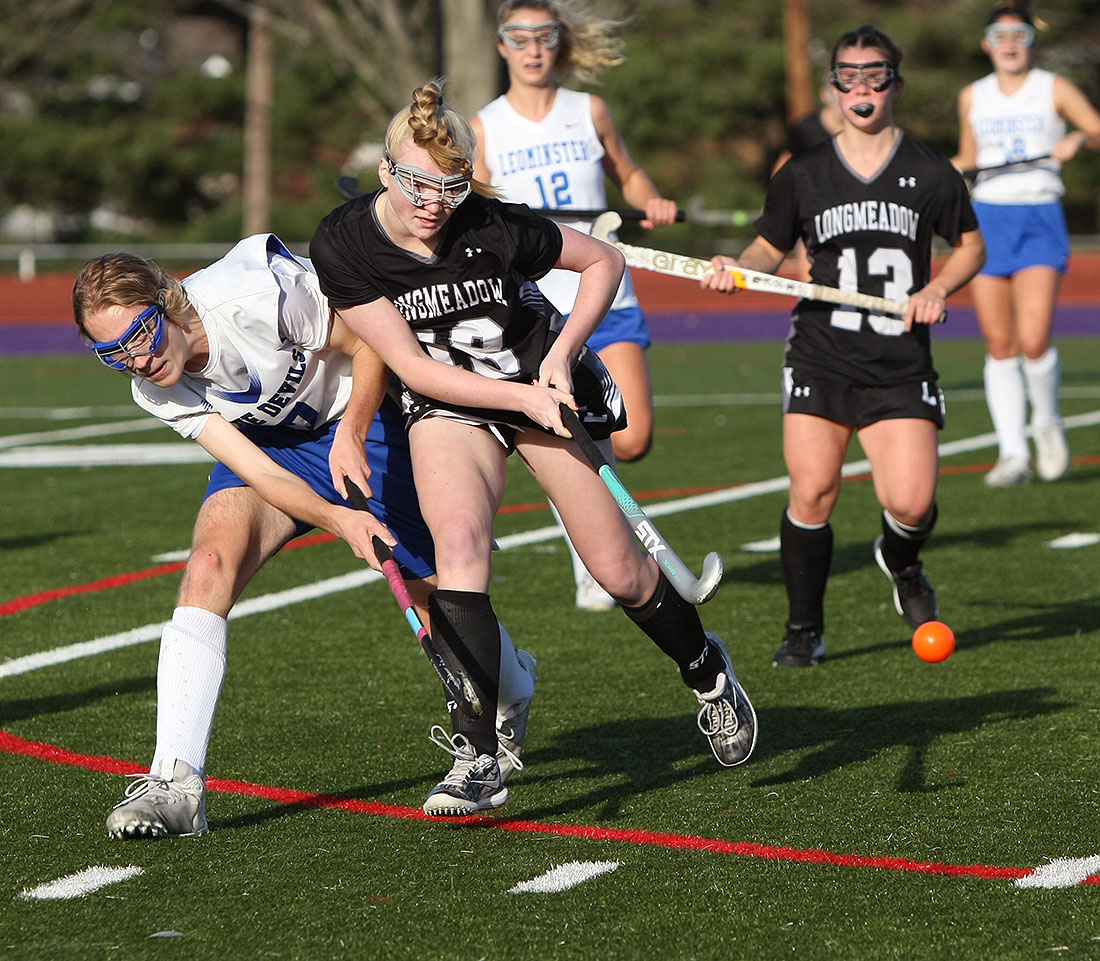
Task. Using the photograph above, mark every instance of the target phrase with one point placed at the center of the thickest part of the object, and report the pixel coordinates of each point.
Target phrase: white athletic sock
(1007, 399)
(515, 683)
(1044, 376)
(189, 681)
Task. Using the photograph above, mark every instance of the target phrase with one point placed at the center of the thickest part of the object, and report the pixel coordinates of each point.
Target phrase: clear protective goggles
(142, 337)
(422, 188)
(519, 35)
(878, 75)
(1021, 34)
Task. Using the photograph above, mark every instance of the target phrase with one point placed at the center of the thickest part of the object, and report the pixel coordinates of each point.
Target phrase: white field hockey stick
(677, 265)
(457, 687)
(691, 589)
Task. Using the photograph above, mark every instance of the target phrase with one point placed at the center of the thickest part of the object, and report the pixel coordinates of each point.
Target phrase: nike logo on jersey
(572, 123)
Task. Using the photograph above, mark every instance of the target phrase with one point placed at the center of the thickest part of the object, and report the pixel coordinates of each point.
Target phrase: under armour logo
(907, 181)
(470, 251)
(801, 392)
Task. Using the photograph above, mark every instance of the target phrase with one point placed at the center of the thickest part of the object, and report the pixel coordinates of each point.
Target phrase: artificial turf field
(892, 808)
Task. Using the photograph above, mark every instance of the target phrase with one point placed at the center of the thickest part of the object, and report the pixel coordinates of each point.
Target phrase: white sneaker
(512, 726)
(1009, 472)
(473, 783)
(169, 802)
(1051, 452)
(592, 597)
(726, 715)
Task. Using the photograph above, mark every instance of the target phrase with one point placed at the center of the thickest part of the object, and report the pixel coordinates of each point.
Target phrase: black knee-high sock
(900, 544)
(674, 626)
(806, 553)
(466, 632)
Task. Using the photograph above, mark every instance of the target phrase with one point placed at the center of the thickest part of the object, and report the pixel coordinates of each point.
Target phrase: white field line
(79, 433)
(270, 602)
(1060, 873)
(79, 884)
(564, 877)
(64, 413)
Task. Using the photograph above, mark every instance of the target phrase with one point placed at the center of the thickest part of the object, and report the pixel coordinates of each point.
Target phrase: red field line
(13, 744)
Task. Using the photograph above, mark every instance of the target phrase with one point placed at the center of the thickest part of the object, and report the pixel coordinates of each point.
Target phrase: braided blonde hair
(444, 133)
(589, 43)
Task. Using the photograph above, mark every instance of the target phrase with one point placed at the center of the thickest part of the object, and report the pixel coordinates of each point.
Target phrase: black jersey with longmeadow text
(871, 235)
(471, 304)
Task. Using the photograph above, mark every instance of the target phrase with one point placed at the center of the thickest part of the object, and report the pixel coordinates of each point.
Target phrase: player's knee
(209, 572)
(631, 445)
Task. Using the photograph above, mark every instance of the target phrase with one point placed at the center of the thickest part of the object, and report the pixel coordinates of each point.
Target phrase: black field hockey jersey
(874, 236)
(471, 304)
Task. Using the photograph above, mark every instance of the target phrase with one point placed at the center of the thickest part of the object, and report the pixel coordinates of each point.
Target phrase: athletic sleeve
(304, 315)
(955, 216)
(536, 241)
(778, 224)
(181, 407)
(338, 259)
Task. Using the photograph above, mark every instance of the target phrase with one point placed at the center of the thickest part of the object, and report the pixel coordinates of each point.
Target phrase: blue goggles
(142, 337)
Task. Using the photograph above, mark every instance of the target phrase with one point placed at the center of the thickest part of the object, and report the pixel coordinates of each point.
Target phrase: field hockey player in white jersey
(246, 357)
(550, 147)
(866, 203)
(1014, 121)
(438, 278)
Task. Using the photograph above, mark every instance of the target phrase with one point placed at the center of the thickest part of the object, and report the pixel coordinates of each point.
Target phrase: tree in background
(123, 119)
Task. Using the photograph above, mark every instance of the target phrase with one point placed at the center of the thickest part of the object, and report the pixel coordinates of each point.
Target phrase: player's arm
(380, 324)
(927, 305)
(481, 170)
(290, 494)
(759, 255)
(1073, 106)
(967, 156)
(634, 183)
(369, 380)
(601, 268)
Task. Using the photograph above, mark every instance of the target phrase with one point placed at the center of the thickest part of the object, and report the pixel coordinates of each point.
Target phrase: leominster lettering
(542, 155)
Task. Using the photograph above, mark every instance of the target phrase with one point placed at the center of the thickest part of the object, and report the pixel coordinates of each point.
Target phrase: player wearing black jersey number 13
(438, 277)
(866, 203)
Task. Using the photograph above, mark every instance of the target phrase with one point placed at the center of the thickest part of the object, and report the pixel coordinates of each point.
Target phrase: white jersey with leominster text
(267, 324)
(1014, 128)
(550, 164)
(868, 234)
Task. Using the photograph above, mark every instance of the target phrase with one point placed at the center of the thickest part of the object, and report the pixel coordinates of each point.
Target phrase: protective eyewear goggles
(422, 188)
(878, 75)
(142, 337)
(519, 35)
(1021, 34)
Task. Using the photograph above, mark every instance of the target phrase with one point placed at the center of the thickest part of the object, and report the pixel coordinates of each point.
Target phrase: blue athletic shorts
(1022, 235)
(624, 325)
(393, 496)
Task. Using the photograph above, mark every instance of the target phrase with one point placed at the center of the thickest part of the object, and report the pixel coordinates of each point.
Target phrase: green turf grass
(986, 759)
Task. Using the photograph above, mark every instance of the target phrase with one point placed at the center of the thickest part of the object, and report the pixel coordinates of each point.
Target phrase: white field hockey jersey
(1016, 128)
(554, 163)
(267, 323)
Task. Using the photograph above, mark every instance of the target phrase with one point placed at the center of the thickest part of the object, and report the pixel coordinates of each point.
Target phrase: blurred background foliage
(123, 119)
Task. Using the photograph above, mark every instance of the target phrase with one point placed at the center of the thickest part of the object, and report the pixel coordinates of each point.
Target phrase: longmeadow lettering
(867, 215)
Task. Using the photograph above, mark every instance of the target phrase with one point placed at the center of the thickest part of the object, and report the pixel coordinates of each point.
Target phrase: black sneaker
(914, 598)
(802, 647)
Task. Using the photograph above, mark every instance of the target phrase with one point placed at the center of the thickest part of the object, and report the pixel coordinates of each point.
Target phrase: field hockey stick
(457, 688)
(348, 188)
(677, 265)
(972, 172)
(691, 589)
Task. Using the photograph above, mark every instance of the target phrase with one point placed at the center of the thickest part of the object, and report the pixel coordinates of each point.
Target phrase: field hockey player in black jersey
(866, 203)
(437, 276)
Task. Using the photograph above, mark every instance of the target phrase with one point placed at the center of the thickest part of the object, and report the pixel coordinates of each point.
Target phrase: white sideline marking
(270, 602)
(79, 884)
(1071, 541)
(564, 877)
(80, 433)
(1060, 873)
(762, 547)
(106, 455)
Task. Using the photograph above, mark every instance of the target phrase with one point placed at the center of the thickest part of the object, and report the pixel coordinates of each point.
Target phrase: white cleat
(168, 802)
